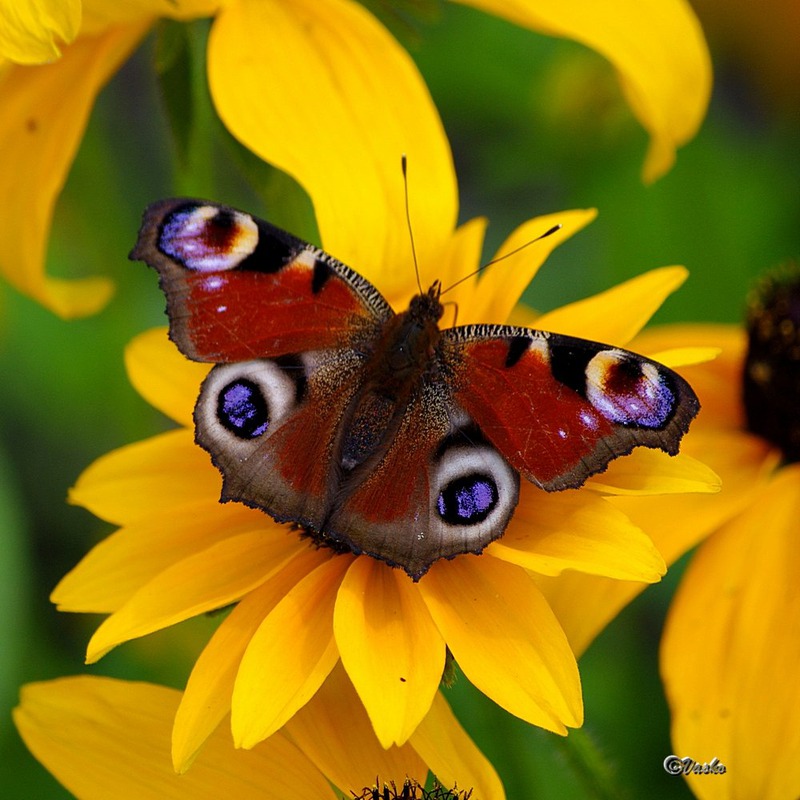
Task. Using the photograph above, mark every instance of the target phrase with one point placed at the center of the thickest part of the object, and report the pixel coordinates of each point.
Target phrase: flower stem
(593, 767)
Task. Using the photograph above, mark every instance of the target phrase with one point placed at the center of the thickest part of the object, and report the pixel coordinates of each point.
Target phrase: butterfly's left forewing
(561, 408)
(239, 288)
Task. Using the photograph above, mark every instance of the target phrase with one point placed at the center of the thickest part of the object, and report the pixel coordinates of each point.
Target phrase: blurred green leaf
(173, 65)
(15, 584)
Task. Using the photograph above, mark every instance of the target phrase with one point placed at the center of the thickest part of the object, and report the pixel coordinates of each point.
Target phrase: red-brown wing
(560, 408)
(438, 490)
(271, 427)
(239, 288)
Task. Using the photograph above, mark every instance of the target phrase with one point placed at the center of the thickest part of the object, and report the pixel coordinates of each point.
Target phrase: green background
(537, 125)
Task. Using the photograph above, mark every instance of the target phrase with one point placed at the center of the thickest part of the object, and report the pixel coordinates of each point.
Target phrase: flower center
(772, 366)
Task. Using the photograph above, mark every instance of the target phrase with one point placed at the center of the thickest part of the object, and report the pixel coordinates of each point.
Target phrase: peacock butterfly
(377, 432)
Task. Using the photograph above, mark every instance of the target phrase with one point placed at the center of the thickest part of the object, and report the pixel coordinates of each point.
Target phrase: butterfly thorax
(410, 338)
(402, 357)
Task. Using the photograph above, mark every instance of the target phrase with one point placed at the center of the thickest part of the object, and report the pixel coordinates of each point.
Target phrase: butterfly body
(380, 432)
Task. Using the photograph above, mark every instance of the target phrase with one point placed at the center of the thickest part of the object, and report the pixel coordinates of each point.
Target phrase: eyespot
(473, 493)
(467, 500)
(205, 238)
(247, 401)
(628, 390)
(242, 409)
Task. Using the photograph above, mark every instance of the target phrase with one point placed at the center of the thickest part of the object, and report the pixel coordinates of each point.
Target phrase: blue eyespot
(467, 500)
(242, 409)
(629, 390)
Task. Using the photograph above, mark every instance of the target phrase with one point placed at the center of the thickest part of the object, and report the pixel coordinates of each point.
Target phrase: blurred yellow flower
(730, 654)
(738, 603)
(31, 31)
(104, 738)
(305, 85)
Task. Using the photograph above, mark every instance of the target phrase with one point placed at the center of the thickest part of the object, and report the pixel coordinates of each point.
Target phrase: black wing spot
(274, 251)
(517, 347)
(568, 365)
(243, 409)
(322, 272)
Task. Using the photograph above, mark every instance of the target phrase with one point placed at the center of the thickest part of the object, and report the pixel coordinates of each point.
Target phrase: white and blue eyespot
(628, 390)
(242, 409)
(205, 238)
(245, 402)
(473, 492)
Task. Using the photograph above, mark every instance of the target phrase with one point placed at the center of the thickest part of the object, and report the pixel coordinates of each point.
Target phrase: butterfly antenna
(544, 235)
(404, 167)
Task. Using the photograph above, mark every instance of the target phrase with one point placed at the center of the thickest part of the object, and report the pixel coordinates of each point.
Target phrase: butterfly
(379, 432)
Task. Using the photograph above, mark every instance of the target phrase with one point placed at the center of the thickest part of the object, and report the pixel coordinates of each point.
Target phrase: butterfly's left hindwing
(239, 288)
(271, 427)
(560, 409)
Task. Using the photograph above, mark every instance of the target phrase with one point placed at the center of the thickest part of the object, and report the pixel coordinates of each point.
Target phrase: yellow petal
(288, 657)
(45, 110)
(31, 30)
(657, 48)
(739, 606)
(461, 257)
(584, 604)
(207, 699)
(334, 716)
(726, 338)
(453, 756)
(743, 463)
(505, 639)
(116, 568)
(500, 287)
(214, 578)
(572, 530)
(147, 478)
(100, 14)
(618, 314)
(389, 646)
(104, 738)
(685, 356)
(321, 90)
(647, 471)
(165, 378)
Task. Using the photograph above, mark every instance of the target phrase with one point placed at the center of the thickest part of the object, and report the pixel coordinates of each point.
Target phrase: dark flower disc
(771, 381)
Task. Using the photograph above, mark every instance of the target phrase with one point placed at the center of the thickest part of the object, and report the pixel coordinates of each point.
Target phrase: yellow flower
(30, 30)
(302, 610)
(739, 600)
(104, 738)
(45, 112)
(730, 654)
(305, 84)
